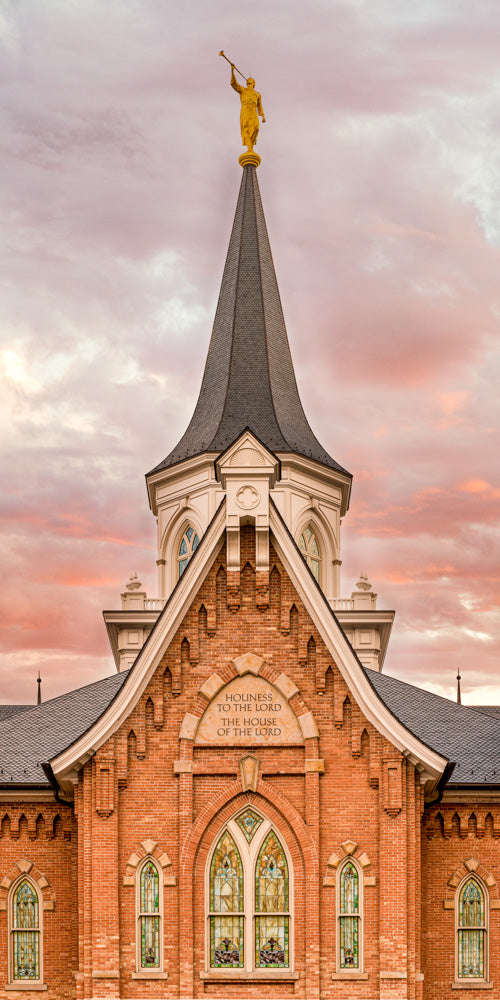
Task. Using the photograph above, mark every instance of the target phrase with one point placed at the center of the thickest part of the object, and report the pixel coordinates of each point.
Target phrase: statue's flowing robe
(249, 119)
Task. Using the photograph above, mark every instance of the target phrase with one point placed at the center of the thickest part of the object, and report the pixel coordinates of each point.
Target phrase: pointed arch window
(188, 544)
(472, 930)
(149, 918)
(249, 897)
(226, 905)
(309, 547)
(272, 915)
(349, 938)
(25, 933)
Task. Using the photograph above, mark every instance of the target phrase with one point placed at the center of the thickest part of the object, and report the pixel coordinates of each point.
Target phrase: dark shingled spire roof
(249, 379)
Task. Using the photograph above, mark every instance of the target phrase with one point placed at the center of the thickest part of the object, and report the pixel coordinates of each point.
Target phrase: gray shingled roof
(249, 380)
(493, 710)
(47, 729)
(6, 711)
(469, 739)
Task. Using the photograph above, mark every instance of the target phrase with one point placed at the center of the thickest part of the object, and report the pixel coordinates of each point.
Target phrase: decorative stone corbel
(249, 772)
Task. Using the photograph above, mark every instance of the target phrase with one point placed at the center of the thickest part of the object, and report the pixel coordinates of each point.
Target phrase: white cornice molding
(468, 796)
(432, 763)
(176, 473)
(27, 795)
(150, 655)
(309, 467)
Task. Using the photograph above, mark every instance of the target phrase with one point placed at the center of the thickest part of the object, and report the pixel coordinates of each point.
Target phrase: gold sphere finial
(249, 158)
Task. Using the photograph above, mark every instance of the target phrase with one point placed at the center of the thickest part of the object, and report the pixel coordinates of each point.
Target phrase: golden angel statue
(251, 108)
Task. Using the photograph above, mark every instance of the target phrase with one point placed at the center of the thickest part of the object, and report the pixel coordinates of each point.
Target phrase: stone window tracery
(249, 897)
(309, 547)
(472, 930)
(25, 932)
(188, 544)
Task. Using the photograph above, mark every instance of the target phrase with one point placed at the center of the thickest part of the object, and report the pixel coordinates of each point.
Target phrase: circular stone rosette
(247, 497)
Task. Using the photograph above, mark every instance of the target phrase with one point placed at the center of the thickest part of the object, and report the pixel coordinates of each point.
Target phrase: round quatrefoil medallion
(247, 497)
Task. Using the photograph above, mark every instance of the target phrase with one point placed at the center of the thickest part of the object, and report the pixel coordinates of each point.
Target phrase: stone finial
(133, 596)
(364, 598)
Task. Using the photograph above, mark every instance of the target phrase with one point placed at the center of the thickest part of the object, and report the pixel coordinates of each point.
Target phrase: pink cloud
(117, 190)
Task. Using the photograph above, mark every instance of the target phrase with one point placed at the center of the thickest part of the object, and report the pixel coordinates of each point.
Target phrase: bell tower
(249, 413)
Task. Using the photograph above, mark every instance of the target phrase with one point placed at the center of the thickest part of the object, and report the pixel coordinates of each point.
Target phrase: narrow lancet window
(226, 905)
(272, 915)
(472, 943)
(189, 543)
(349, 917)
(308, 545)
(149, 917)
(26, 946)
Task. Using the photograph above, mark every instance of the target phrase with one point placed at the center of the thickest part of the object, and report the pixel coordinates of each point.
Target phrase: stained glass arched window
(25, 932)
(471, 930)
(349, 917)
(308, 545)
(149, 917)
(189, 543)
(272, 914)
(226, 905)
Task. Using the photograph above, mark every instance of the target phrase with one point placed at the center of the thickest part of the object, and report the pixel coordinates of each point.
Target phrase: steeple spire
(249, 379)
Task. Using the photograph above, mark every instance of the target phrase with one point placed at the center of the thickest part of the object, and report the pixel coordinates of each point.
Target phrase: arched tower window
(249, 897)
(349, 918)
(472, 927)
(25, 933)
(189, 542)
(149, 950)
(308, 545)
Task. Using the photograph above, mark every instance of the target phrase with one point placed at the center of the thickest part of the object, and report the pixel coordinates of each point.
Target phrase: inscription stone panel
(248, 711)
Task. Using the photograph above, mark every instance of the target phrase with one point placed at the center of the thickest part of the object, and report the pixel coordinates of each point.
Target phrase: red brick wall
(455, 833)
(44, 834)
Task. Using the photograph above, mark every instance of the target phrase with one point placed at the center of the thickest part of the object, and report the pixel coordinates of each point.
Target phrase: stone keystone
(349, 846)
(248, 663)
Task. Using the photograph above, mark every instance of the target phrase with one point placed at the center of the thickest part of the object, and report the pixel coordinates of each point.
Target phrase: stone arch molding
(349, 849)
(185, 516)
(25, 867)
(471, 866)
(149, 849)
(229, 802)
(298, 724)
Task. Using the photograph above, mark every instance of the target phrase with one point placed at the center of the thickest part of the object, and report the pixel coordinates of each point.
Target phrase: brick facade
(344, 792)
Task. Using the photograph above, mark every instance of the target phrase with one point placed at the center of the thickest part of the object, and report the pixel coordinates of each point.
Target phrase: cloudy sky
(381, 185)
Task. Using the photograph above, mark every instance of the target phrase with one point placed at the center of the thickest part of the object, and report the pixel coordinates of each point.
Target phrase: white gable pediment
(249, 458)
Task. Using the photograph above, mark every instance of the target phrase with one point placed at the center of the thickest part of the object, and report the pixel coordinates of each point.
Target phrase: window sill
(256, 975)
(147, 974)
(349, 975)
(470, 985)
(26, 985)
